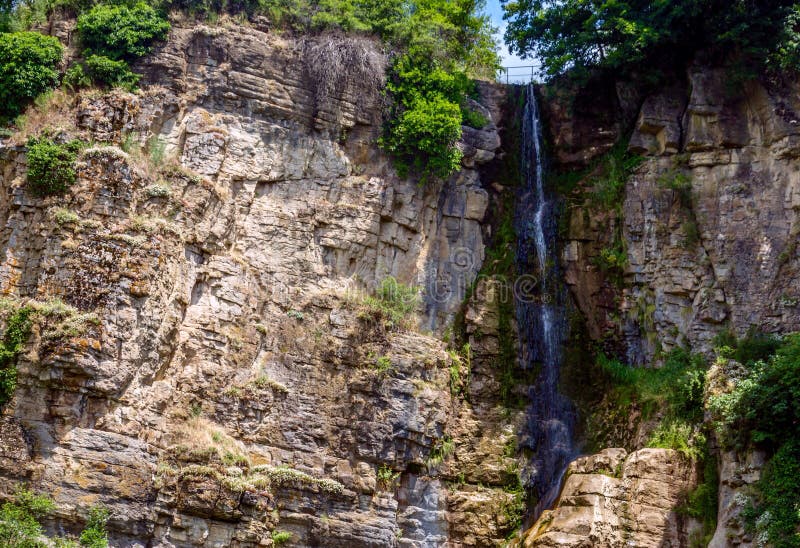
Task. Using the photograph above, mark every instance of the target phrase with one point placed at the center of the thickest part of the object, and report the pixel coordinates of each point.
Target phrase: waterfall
(541, 319)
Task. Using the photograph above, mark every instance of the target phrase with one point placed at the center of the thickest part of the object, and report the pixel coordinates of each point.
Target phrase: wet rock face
(223, 376)
(709, 220)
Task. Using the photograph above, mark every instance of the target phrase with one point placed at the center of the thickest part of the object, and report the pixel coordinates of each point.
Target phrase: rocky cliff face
(708, 219)
(709, 225)
(206, 362)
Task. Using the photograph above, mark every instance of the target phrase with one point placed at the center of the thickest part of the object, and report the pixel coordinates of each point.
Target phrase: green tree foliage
(762, 406)
(28, 67)
(51, 166)
(18, 329)
(107, 72)
(114, 35)
(444, 43)
(121, 32)
(423, 135)
(774, 512)
(761, 409)
(649, 38)
(19, 520)
(94, 534)
(6, 15)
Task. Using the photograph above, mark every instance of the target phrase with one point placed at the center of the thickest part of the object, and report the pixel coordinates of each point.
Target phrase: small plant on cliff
(94, 534)
(393, 303)
(681, 436)
(20, 520)
(28, 66)
(51, 166)
(18, 329)
(610, 175)
(442, 449)
(279, 538)
(387, 477)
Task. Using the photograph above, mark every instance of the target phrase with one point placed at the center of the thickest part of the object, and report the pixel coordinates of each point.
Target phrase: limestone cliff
(207, 358)
(709, 229)
(222, 375)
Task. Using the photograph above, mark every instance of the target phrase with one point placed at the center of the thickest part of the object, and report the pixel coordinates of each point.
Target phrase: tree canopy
(646, 36)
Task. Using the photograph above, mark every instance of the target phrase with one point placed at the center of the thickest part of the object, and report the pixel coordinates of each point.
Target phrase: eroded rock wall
(227, 378)
(709, 219)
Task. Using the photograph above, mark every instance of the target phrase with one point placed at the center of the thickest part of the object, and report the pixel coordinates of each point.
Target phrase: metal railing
(521, 74)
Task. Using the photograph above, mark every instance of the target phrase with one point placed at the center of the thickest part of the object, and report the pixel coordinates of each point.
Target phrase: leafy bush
(443, 42)
(279, 538)
(51, 166)
(753, 347)
(19, 520)
(113, 35)
(94, 535)
(75, 77)
(679, 435)
(676, 387)
(424, 137)
(28, 66)
(761, 409)
(18, 329)
(762, 406)
(473, 118)
(120, 31)
(107, 72)
(775, 510)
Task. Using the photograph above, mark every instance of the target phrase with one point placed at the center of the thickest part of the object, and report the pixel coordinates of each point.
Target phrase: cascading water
(541, 320)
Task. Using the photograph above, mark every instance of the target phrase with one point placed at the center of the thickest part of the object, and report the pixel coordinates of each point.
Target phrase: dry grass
(51, 110)
(200, 439)
(57, 319)
(332, 59)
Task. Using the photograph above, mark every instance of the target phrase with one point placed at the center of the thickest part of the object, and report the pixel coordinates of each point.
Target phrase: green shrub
(610, 174)
(762, 406)
(94, 535)
(679, 435)
(75, 77)
(51, 166)
(424, 137)
(393, 302)
(761, 409)
(121, 31)
(108, 72)
(28, 66)
(473, 118)
(18, 329)
(279, 538)
(676, 387)
(20, 520)
(774, 512)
